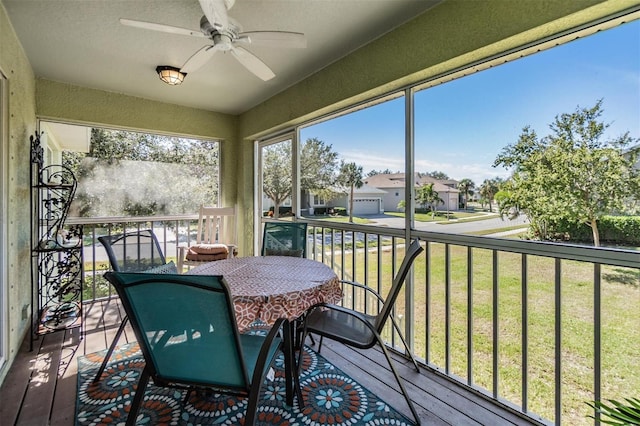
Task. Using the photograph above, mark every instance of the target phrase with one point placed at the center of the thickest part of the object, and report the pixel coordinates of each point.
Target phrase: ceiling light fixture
(170, 75)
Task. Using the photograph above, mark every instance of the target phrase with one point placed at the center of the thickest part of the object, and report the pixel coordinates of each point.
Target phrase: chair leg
(406, 346)
(298, 324)
(297, 366)
(138, 397)
(258, 379)
(290, 364)
(252, 406)
(289, 331)
(399, 380)
(111, 349)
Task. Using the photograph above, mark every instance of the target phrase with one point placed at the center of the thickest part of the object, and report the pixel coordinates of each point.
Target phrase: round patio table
(272, 287)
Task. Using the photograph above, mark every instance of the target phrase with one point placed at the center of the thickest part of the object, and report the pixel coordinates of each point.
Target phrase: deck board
(17, 380)
(40, 388)
(36, 406)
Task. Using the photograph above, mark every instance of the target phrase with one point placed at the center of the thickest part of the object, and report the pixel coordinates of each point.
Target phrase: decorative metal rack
(56, 249)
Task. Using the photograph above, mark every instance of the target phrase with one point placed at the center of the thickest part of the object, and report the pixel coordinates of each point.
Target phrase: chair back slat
(186, 325)
(133, 251)
(216, 225)
(284, 239)
(414, 250)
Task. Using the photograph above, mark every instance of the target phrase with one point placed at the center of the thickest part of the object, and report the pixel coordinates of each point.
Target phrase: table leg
(292, 381)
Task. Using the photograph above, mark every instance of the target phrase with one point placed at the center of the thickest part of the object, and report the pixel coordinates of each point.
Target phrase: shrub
(623, 230)
(283, 211)
(340, 211)
(618, 413)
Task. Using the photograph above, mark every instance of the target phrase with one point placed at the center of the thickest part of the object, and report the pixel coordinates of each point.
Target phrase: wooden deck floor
(40, 388)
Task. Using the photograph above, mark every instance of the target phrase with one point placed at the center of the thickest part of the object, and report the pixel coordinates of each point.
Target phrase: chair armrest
(369, 289)
(259, 370)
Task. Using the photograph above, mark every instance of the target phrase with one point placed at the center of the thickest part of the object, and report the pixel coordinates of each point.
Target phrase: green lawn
(524, 229)
(620, 325)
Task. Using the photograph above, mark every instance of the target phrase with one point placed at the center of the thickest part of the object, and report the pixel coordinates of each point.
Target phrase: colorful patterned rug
(332, 397)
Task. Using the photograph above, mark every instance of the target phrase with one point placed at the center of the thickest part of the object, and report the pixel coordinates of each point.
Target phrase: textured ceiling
(82, 42)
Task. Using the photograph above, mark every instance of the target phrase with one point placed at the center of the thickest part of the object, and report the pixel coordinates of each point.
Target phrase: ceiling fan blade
(216, 12)
(276, 39)
(198, 59)
(252, 63)
(160, 27)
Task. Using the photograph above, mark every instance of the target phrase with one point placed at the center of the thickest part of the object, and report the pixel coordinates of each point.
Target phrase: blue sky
(461, 126)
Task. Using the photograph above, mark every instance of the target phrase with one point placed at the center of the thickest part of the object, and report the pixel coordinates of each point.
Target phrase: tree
(489, 189)
(130, 173)
(427, 196)
(318, 164)
(276, 174)
(437, 175)
(573, 174)
(350, 177)
(466, 186)
(380, 172)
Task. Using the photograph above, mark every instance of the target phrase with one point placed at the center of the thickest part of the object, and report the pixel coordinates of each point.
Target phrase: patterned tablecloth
(273, 287)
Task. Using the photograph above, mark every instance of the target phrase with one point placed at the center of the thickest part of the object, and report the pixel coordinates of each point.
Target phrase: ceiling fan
(225, 35)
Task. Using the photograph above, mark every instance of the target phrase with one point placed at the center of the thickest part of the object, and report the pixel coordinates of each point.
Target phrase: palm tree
(426, 195)
(351, 177)
(489, 189)
(466, 186)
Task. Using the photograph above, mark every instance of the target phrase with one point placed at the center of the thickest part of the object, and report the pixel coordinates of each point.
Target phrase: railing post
(558, 341)
(597, 337)
(409, 158)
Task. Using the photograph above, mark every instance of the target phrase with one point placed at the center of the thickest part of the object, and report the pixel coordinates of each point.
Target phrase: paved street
(452, 226)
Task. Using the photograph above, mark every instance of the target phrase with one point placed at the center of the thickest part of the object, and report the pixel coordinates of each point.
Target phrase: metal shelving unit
(56, 249)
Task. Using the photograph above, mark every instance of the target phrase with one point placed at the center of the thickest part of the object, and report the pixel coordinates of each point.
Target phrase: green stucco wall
(65, 102)
(20, 124)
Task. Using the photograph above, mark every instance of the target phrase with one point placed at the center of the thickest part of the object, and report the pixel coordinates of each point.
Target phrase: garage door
(366, 206)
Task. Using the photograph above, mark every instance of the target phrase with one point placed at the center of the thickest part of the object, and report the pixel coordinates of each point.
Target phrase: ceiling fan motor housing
(223, 41)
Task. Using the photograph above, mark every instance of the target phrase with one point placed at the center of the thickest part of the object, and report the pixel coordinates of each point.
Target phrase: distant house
(636, 151)
(380, 193)
(367, 200)
(393, 186)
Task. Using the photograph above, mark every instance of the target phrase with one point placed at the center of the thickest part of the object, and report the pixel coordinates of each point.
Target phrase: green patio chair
(133, 251)
(284, 239)
(136, 251)
(186, 328)
(360, 330)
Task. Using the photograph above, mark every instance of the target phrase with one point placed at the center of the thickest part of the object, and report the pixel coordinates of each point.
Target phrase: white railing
(541, 328)
(170, 230)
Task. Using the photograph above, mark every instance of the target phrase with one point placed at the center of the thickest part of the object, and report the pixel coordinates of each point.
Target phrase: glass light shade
(170, 75)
